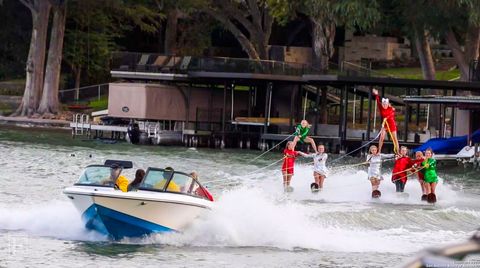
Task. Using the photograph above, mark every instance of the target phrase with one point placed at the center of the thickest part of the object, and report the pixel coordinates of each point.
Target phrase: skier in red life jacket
(388, 114)
(403, 163)
(289, 156)
(200, 190)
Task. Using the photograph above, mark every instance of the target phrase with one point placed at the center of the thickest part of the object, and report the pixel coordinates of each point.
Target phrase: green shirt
(302, 131)
(430, 170)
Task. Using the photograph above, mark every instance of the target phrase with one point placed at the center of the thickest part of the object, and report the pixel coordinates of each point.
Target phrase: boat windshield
(179, 183)
(95, 175)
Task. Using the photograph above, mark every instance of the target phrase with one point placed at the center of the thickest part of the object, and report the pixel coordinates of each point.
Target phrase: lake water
(253, 224)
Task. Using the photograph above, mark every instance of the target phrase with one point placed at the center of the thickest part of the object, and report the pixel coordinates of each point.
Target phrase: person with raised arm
(388, 124)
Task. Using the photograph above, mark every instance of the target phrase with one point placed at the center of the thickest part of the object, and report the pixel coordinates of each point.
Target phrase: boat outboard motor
(133, 132)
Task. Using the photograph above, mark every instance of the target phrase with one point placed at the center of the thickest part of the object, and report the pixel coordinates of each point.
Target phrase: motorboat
(164, 201)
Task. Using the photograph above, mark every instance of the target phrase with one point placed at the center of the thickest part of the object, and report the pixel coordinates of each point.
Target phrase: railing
(158, 63)
(352, 69)
(83, 93)
(81, 124)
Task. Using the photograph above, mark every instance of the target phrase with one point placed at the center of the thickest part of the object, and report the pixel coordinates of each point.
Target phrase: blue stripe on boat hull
(118, 224)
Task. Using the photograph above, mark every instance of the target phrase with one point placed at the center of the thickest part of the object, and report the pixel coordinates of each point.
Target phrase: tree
(325, 16)
(15, 32)
(92, 28)
(49, 102)
(40, 10)
(176, 10)
(194, 35)
(460, 24)
(249, 21)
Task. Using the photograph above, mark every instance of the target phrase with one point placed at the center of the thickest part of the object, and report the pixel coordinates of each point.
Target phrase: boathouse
(249, 103)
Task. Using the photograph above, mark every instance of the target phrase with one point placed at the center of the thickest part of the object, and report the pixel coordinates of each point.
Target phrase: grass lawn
(416, 73)
(99, 104)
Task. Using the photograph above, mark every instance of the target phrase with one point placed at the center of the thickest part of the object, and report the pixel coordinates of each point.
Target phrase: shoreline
(26, 122)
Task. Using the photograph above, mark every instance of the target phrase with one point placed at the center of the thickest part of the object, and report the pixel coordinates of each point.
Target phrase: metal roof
(457, 100)
(332, 80)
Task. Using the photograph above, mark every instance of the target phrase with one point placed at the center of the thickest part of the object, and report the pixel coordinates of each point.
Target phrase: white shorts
(321, 172)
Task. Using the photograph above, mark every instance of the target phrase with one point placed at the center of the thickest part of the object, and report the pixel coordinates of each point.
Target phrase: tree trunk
(428, 69)
(171, 32)
(49, 102)
(255, 20)
(246, 44)
(40, 10)
(261, 45)
(425, 54)
(472, 45)
(78, 74)
(323, 35)
(457, 54)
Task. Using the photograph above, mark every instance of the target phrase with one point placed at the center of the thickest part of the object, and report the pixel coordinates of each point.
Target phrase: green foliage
(436, 17)
(194, 34)
(99, 104)
(92, 27)
(15, 32)
(362, 14)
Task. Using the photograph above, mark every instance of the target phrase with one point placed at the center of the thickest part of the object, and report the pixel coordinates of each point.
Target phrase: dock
(35, 122)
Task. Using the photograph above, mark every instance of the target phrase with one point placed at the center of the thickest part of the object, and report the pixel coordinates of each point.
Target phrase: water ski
(431, 198)
(314, 187)
(424, 197)
(403, 195)
(288, 189)
(376, 194)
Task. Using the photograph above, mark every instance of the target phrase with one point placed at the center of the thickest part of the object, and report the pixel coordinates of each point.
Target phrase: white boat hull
(138, 213)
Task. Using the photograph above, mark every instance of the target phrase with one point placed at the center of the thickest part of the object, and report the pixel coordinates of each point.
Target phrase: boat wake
(341, 218)
(58, 219)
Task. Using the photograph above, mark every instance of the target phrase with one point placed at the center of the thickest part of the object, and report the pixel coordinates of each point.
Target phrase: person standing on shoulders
(388, 114)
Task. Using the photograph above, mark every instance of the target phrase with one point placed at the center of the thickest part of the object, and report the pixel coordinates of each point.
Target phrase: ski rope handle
(412, 173)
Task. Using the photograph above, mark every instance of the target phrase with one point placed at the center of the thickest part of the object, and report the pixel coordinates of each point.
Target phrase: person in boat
(374, 160)
(388, 114)
(402, 165)
(139, 175)
(301, 134)
(200, 191)
(118, 181)
(289, 156)
(320, 170)
(417, 166)
(172, 186)
(431, 179)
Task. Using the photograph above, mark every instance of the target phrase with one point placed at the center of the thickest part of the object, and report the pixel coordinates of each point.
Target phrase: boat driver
(120, 181)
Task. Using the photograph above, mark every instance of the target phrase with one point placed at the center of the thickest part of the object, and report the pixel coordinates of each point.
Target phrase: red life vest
(388, 112)
(400, 167)
(289, 160)
(418, 162)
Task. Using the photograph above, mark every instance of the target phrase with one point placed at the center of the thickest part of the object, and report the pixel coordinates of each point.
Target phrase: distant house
(373, 47)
